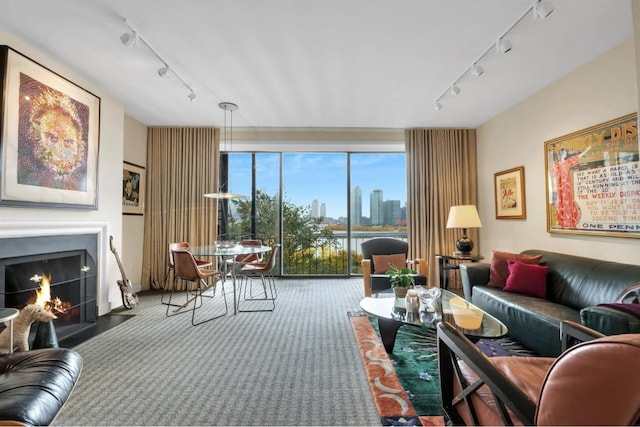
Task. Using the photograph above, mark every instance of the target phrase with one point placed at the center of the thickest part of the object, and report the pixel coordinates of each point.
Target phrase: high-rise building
(376, 207)
(323, 210)
(356, 206)
(315, 208)
(392, 212)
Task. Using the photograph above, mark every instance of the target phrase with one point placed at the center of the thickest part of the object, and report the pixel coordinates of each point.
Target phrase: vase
(400, 291)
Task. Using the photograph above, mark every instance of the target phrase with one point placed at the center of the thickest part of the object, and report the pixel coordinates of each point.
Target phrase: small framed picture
(509, 194)
(133, 187)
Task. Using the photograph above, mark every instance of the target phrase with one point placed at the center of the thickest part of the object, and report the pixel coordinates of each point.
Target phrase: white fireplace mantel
(12, 229)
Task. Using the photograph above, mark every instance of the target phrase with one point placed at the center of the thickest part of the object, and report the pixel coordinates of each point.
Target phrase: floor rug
(415, 400)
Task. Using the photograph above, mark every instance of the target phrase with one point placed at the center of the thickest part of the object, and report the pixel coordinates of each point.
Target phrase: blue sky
(323, 176)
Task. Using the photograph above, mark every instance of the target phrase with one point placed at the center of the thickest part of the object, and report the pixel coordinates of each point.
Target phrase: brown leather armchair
(375, 277)
(596, 382)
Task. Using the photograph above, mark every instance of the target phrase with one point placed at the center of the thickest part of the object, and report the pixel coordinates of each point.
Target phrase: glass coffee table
(392, 313)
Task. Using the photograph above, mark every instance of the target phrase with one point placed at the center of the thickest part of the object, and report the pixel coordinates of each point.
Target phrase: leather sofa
(34, 385)
(575, 288)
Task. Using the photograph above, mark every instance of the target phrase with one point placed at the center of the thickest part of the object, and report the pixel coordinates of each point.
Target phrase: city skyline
(323, 177)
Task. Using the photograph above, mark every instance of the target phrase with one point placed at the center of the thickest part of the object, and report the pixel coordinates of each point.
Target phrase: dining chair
(264, 270)
(187, 269)
(171, 267)
(239, 261)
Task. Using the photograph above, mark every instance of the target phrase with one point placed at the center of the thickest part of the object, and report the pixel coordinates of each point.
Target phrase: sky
(323, 177)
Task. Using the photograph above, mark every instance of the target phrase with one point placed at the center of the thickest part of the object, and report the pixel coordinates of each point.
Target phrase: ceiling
(311, 63)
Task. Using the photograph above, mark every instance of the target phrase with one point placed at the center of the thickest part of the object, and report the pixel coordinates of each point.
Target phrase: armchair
(377, 253)
(592, 383)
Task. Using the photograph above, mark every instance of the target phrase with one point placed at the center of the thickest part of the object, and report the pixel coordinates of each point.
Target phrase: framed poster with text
(593, 180)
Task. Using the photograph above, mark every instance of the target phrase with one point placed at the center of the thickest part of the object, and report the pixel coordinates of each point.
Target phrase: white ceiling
(318, 63)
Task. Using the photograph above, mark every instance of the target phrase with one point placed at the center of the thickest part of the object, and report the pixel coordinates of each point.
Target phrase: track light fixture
(164, 71)
(503, 45)
(129, 38)
(538, 9)
(133, 37)
(476, 70)
(542, 9)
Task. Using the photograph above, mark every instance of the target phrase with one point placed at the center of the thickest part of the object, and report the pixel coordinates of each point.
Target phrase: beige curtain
(441, 172)
(182, 166)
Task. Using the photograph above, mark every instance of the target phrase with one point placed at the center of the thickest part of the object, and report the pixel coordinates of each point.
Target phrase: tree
(305, 242)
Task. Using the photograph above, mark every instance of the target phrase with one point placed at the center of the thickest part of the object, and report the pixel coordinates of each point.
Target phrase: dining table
(228, 252)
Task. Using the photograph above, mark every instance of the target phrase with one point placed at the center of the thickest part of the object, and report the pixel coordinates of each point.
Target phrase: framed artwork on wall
(510, 194)
(593, 180)
(133, 187)
(50, 135)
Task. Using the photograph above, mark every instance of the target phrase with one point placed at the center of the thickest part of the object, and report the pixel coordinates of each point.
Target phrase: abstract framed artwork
(510, 194)
(133, 187)
(593, 180)
(50, 131)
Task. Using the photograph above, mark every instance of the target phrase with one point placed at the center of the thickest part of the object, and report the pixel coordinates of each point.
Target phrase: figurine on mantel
(22, 326)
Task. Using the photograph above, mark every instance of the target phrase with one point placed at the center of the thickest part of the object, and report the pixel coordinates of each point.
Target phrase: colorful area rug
(405, 384)
(415, 400)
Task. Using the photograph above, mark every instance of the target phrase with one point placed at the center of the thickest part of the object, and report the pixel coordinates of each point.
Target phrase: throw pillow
(527, 279)
(499, 271)
(381, 262)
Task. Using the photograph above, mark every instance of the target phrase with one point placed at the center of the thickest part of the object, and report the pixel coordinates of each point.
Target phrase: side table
(447, 263)
(7, 315)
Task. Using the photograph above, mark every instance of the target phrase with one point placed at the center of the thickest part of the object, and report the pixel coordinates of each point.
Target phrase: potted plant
(401, 279)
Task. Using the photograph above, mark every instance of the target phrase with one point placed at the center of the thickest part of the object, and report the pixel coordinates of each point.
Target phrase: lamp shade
(464, 216)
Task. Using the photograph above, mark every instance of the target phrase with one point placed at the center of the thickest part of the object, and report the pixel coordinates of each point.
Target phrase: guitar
(129, 298)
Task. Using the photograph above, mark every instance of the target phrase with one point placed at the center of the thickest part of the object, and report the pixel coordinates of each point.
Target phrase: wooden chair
(186, 268)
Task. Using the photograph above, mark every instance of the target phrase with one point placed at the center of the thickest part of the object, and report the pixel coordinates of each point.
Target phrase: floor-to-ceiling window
(319, 206)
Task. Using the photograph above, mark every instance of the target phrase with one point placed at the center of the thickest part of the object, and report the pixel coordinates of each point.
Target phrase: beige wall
(109, 214)
(601, 90)
(135, 151)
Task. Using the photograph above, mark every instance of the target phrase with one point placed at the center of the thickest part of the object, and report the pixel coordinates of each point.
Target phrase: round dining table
(229, 252)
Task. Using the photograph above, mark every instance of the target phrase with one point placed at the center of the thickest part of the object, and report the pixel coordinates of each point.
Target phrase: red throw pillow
(499, 271)
(527, 279)
(381, 262)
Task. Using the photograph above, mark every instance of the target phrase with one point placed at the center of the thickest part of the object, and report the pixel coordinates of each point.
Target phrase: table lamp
(464, 216)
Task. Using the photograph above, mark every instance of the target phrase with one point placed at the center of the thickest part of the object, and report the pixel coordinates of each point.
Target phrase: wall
(108, 218)
(135, 151)
(601, 90)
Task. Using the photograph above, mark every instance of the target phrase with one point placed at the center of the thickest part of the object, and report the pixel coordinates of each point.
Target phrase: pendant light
(228, 107)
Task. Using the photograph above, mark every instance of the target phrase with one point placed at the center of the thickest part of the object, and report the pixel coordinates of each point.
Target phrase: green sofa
(575, 288)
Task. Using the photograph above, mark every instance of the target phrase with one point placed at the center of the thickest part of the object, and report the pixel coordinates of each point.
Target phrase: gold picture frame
(133, 189)
(510, 194)
(49, 137)
(593, 180)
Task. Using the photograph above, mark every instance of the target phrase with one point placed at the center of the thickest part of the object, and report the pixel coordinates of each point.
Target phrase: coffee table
(392, 314)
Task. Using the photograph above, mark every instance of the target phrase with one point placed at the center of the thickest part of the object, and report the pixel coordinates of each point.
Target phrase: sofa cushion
(499, 269)
(381, 262)
(527, 279)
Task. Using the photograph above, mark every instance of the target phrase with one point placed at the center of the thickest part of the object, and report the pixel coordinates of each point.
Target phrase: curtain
(441, 172)
(182, 166)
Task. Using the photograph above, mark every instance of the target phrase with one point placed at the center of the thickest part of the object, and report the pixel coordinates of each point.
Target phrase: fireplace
(66, 262)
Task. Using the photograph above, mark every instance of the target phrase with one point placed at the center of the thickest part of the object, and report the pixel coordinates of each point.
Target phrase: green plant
(400, 277)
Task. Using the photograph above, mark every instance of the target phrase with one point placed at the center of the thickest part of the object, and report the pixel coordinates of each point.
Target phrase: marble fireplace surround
(57, 228)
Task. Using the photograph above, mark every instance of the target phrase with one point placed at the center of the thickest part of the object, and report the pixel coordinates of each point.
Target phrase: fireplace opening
(71, 276)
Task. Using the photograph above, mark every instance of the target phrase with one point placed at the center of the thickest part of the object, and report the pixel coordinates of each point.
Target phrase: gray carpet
(299, 365)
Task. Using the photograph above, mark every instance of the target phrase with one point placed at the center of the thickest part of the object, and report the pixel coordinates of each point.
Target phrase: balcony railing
(323, 259)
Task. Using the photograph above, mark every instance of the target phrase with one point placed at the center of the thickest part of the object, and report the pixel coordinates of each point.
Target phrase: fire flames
(43, 296)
